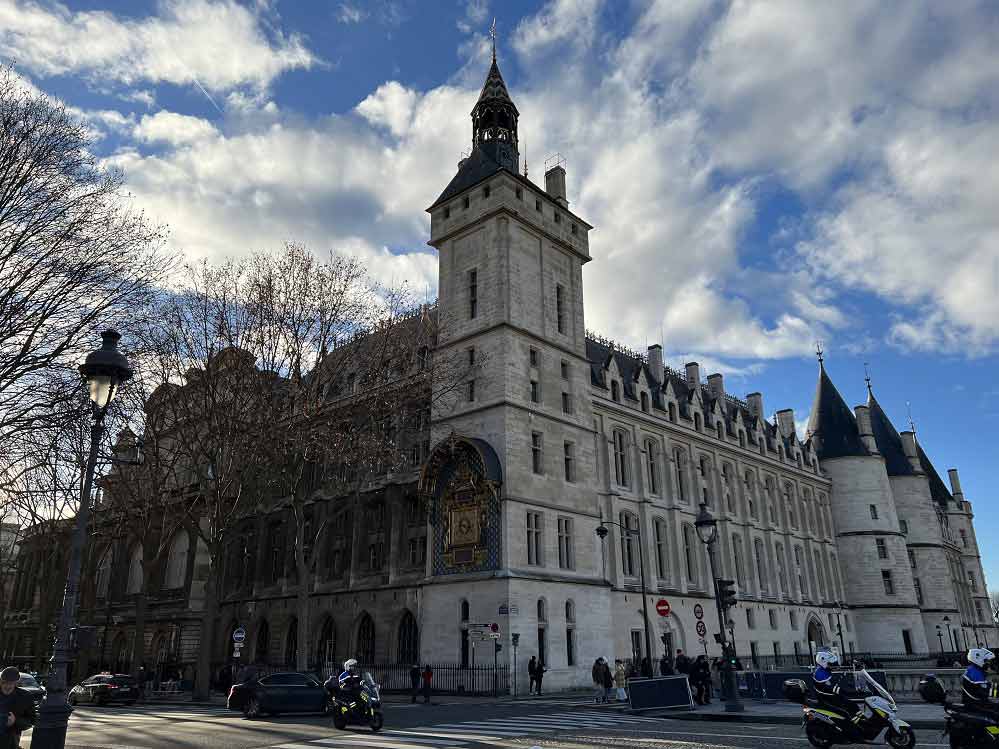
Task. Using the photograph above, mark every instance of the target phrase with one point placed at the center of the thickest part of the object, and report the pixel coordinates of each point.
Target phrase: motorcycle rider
(826, 687)
(350, 681)
(976, 687)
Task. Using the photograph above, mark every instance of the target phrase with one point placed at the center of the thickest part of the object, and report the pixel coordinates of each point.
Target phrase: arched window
(704, 466)
(104, 574)
(740, 572)
(761, 566)
(570, 633)
(464, 633)
(662, 550)
(263, 648)
(781, 572)
(679, 462)
(120, 654)
(134, 584)
(366, 639)
(645, 402)
(620, 457)
(789, 502)
(652, 465)
(615, 391)
(628, 554)
(690, 542)
(799, 565)
(326, 647)
(542, 634)
(176, 569)
(409, 639)
(291, 645)
(742, 438)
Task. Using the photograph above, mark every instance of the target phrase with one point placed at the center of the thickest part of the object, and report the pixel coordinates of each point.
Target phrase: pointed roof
(494, 89)
(938, 490)
(888, 440)
(471, 171)
(832, 422)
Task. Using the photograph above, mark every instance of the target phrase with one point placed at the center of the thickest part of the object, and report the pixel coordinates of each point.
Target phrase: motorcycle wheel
(340, 722)
(377, 721)
(817, 736)
(903, 739)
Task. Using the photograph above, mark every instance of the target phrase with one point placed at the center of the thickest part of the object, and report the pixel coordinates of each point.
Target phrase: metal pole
(515, 672)
(839, 628)
(732, 702)
(53, 717)
(495, 670)
(645, 598)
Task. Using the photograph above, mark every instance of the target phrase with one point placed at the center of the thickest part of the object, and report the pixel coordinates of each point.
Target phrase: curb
(786, 720)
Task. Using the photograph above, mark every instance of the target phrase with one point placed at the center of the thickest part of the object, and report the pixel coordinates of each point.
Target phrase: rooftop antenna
(525, 157)
(867, 377)
(492, 33)
(818, 351)
(908, 411)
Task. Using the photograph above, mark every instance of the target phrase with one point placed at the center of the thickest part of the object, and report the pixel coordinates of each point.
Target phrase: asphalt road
(564, 724)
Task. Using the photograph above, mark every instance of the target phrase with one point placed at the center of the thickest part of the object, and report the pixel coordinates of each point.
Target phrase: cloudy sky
(762, 175)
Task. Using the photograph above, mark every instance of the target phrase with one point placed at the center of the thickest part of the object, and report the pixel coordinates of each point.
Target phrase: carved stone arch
(815, 631)
(365, 639)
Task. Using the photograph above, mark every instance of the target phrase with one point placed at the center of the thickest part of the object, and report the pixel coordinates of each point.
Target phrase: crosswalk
(469, 733)
(116, 715)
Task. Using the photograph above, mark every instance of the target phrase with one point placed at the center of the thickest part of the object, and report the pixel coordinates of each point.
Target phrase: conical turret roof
(494, 89)
(832, 424)
(888, 440)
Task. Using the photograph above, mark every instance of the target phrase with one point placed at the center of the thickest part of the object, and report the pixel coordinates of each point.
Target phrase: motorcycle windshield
(369, 682)
(368, 679)
(866, 681)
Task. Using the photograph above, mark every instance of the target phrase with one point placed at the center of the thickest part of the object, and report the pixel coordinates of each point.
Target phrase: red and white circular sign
(701, 629)
(698, 611)
(663, 607)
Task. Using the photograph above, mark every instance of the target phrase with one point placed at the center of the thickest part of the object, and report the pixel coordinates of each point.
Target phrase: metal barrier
(659, 692)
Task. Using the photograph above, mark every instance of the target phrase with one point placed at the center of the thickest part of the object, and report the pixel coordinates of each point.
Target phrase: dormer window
(615, 391)
(447, 212)
(645, 402)
(672, 411)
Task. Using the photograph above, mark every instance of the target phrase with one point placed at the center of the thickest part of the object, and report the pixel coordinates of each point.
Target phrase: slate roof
(477, 167)
(833, 423)
(495, 88)
(938, 490)
(888, 440)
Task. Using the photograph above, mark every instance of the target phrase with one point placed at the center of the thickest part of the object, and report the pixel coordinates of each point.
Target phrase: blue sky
(761, 175)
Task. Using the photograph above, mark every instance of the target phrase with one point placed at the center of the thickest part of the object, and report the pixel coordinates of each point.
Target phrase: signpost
(238, 638)
(515, 641)
(663, 607)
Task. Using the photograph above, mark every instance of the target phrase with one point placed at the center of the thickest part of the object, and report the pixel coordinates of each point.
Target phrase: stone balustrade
(904, 683)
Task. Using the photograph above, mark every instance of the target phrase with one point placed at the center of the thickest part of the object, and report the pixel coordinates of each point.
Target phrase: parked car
(103, 689)
(30, 684)
(279, 693)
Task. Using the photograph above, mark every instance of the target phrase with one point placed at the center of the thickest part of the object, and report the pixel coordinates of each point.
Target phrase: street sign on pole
(239, 635)
(663, 607)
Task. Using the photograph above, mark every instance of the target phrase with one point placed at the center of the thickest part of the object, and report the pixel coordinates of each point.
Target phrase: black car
(103, 689)
(30, 684)
(279, 693)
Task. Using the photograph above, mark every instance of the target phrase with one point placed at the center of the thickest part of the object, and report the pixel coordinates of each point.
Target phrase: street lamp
(940, 638)
(707, 531)
(103, 371)
(950, 634)
(839, 626)
(602, 534)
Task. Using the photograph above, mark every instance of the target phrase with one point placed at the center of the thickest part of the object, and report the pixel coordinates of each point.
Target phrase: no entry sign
(663, 607)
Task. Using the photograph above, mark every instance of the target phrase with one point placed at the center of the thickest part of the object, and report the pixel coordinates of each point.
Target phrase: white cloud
(220, 43)
(175, 129)
(476, 14)
(350, 13)
(391, 106)
(559, 22)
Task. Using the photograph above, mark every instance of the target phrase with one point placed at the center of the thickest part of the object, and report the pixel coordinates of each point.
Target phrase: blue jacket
(975, 686)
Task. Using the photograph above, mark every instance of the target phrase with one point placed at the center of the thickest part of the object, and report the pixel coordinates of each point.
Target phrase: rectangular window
(566, 556)
(535, 391)
(558, 217)
(519, 193)
(485, 191)
(662, 568)
(566, 403)
(560, 307)
(471, 357)
(773, 618)
(473, 294)
(573, 229)
(536, 458)
(972, 582)
(620, 459)
(447, 212)
(882, 549)
(793, 616)
(750, 619)
(978, 611)
(964, 537)
(471, 391)
(537, 205)
(534, 543)
(776, 651)
(889, 585)
(919, 591)
(874, 512)
(533, 357)
(912, 558)
(570, 461)
(570, 646)
(565, 369)
(464, 203)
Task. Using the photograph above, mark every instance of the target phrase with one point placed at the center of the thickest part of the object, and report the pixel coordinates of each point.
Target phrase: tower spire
(492, 33)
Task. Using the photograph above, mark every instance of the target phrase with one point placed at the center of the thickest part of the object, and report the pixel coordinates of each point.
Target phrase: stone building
(847, 539)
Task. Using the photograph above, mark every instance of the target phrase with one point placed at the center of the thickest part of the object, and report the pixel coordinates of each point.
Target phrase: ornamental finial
(492, 33)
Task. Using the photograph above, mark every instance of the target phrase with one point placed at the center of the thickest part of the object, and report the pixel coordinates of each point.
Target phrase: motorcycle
(877, 714)
(364, 708)
(965, 727)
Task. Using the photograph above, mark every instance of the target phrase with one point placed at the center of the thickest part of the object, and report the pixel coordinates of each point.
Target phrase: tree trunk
(202, 679)
(302, 657)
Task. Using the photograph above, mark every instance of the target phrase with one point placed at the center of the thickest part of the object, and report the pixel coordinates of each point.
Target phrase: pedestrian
(682, 662)
(646, 668)
(597, 673)
(414, 679)
(620, 680)
(428, 676)
(702, 678)
(607, 679)
(539, 674)
(532, 672)
(17, 709)
(665, 667)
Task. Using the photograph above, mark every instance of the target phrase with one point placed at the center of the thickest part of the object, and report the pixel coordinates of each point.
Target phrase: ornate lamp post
(940, 638)
(839, 626)
(602, 534)
(950, 633)
(103, 370)
(707, 531)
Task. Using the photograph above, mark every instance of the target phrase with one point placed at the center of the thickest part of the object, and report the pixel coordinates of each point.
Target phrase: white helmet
(350, 665)
(980, 656)
(826, 658)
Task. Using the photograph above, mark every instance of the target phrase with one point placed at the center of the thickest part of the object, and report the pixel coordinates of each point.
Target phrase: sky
(761, 175)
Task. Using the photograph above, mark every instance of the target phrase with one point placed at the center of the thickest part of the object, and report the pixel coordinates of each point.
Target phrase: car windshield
(27, 680)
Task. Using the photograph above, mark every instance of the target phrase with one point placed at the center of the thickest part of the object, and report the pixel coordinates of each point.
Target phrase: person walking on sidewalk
(532, 672)
(539, 674)
(597, 672)
(17, 709)
(414, 679)
(701, 676)
(682, 662)
(607, 678)
(620, 680)
(428, 677)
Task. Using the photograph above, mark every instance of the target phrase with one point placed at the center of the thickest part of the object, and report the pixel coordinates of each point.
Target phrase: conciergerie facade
(557, 431)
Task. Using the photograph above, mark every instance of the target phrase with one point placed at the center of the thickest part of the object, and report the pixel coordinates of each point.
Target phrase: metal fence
(869, 659)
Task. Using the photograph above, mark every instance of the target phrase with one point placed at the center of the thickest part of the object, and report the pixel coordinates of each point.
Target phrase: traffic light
(726, 592)
(498, 647)
(665, 640)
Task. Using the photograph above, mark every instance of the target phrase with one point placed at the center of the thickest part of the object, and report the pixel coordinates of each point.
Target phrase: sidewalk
(918, 715)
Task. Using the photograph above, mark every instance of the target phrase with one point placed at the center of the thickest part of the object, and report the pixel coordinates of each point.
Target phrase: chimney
(785, 422)
(864, 427)
(955, 484)
(909, 446)
(716, 385)
(656, 362)
(755, 402)
(693, 374)
(555, 185)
